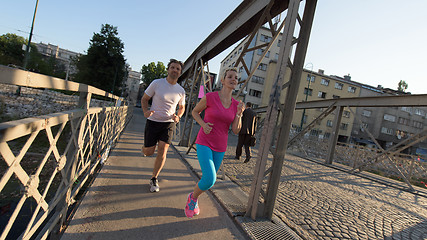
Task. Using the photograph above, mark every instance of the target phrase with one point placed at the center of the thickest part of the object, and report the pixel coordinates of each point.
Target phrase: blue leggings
(209, 163)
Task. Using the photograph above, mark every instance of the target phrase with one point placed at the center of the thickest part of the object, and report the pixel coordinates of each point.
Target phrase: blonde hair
(227, 70)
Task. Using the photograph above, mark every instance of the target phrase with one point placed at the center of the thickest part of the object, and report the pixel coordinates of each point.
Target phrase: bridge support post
(256, 208)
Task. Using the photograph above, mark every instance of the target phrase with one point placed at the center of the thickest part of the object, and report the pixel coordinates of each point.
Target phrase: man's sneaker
(154, 185)
(192, 207)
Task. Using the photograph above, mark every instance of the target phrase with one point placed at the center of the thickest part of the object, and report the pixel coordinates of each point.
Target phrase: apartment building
(388, 125)
(318, 86)
(64, 56)
(255, 87)
(131, 86)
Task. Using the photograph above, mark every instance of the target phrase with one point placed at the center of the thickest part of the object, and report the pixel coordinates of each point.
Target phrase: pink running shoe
(192, 207)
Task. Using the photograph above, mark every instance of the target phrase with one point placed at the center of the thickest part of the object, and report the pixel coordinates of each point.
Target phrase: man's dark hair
(249, 104)
(175, 61)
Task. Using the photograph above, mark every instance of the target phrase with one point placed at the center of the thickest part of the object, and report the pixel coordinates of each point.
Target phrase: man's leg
(248, 153)
(239, 146)
(160, 158)
(148, 151)
(247, 148)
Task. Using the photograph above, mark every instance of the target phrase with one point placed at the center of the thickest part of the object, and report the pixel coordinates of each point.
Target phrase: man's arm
(144, 105)
(181, 110)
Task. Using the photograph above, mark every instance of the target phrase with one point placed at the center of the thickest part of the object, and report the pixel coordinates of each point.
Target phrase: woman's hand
(207, 127)
(240, 108)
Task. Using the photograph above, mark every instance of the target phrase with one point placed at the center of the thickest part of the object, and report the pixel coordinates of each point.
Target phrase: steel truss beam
(235, 27)
(256, 208)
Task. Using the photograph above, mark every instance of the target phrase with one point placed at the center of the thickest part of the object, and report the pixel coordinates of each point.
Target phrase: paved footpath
(320, 202)
(119, 205)
(314, 201)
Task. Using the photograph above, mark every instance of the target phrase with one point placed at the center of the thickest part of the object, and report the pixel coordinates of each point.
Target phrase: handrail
(74, 144)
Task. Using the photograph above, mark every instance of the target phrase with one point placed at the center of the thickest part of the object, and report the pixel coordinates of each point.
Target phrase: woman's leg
(205, 157)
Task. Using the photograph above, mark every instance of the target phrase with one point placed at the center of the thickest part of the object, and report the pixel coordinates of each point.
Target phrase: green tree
(11, 51)
(402, 86)
(104, 65)
(152, 71)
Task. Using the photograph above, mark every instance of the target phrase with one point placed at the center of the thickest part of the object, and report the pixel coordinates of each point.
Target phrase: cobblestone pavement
(321, 202)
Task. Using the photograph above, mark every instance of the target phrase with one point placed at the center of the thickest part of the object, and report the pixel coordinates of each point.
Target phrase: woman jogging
(221, 110)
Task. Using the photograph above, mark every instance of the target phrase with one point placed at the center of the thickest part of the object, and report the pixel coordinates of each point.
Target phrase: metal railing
(46, 160)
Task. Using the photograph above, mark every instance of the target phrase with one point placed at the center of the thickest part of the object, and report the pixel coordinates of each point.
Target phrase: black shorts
(158, 131)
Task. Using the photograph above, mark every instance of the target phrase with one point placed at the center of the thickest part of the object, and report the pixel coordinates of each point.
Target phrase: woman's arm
(200, 106)
(237, 122)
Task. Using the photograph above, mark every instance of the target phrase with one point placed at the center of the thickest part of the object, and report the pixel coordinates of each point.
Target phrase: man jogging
(162, 117)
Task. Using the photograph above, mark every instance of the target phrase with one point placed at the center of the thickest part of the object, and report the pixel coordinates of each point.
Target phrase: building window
(321, 94)
(325, 82)
(311, 77)
(407, 109)
(339, 86)
(351, 89)
(403, 121)
(261, 51)
(265, 38)
(417, 124)
(262, 67)
(276, 57)
(366, 113)
(327, 135)
(278, 43)
(344, 126)
(329, 123)
(315, 132)
(308, 91)
(389, 118)
(257, 79)
(240, 49)
(387, 131)
(335, 96)
(419, 112)
(254, 93)
(346, 114)
(363, 126)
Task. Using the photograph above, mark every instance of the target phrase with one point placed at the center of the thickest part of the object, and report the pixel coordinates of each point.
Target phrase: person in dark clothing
(249, 121)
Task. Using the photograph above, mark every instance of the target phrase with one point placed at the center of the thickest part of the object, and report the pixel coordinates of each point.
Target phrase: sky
(377, 42)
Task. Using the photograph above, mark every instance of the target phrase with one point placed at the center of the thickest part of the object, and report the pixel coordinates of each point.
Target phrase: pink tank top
(221, 118)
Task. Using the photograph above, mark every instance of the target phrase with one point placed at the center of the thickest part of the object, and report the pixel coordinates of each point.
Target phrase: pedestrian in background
(221, 111)
(162, 116)
(247, 132)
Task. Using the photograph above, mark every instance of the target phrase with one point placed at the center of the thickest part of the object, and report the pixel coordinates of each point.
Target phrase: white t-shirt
(165, 98)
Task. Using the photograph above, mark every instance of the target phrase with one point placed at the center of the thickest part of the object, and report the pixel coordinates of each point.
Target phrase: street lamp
(306, 93)
(27, 49)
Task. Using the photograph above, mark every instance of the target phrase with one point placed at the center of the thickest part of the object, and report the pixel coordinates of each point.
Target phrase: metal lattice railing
(353, 155)
(46, 160)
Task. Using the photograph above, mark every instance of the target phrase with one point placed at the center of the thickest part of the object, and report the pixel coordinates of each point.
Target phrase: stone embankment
(35, 102)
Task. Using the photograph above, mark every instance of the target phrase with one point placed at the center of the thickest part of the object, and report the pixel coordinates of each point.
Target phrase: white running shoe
(154, 185)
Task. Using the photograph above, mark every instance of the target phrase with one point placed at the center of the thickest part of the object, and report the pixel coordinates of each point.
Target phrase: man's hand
(147, 114)
(175, 118)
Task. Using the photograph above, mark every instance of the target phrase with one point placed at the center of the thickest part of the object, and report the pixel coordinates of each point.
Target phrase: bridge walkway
(317, 201)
